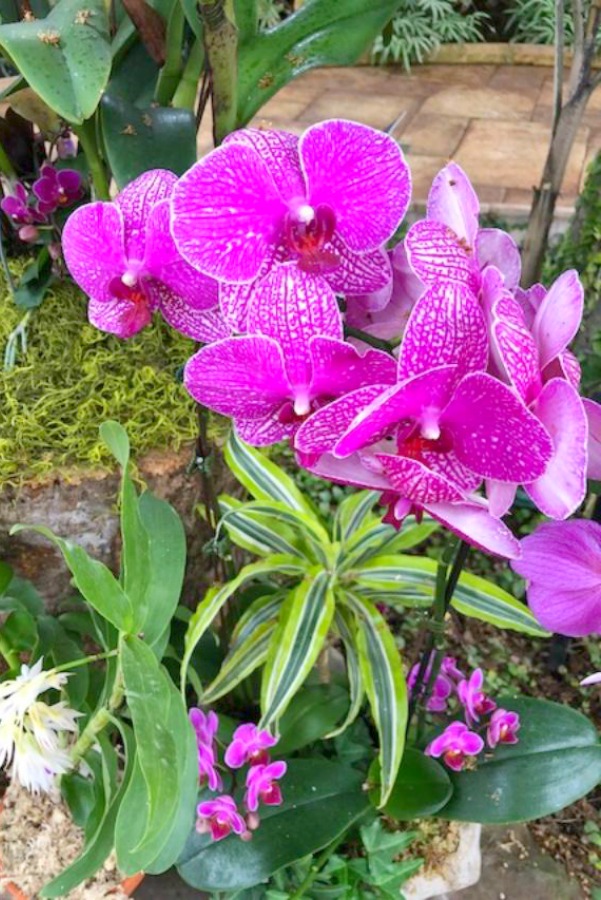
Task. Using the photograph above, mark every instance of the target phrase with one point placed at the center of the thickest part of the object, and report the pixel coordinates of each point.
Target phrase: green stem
(316, 868)
(221, 43)
(86, 132)
(372, 340)
(84, 661)
(185, 94)
(101, 718)
(6, 167)
(169, 75)
(11, 656)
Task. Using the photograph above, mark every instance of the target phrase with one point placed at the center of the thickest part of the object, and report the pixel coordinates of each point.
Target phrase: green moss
(73, 377)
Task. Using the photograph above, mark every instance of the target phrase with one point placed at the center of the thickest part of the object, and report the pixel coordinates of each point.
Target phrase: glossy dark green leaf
(321, 801)
(65, 57)
(556, 761)
(34, 282)
(312, 714)
(421, 788)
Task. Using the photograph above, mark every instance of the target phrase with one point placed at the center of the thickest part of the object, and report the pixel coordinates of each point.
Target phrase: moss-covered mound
(73, 377)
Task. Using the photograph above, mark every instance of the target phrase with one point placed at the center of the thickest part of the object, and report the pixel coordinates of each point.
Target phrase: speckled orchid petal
(120, 317)
(266, 430)
(416, 481)
(473, 523)
(593, 415)
(94, 248)
(446, 327)
(361, 175)
(561, 489)
(436, 254)
(242, 377)
(136, 202)
(558, 317)
(513, 347)
(279, 151)
(351, 470)
(500, 496)
(494, 434)
(320, 432)
(204, 325)
(226, 213)
(234, 299)
(530, 301)
(497, 248)
(339, 368)
(453, 201)
(359, 273)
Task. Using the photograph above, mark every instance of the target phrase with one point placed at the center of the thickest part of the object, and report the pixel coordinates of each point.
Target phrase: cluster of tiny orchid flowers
(272, 251)
(250, 746)
(460, 743)
(54, 189)
(33, 734)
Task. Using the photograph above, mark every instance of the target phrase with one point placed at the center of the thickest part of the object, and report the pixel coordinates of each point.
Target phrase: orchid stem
(372, 340)
(86, 132)
(316, 868)
(169, 75)
(84, 661)
(187, 89)
(101, 718)
(11, 656)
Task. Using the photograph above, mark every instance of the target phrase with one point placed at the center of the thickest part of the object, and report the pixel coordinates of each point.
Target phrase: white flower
(592, 679)
(32, 732)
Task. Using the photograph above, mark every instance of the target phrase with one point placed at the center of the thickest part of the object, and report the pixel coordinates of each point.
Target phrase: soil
(38, 840)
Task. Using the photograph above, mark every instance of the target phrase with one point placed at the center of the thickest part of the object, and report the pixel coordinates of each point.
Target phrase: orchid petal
(279, 151)
(120, 317)
(94, 248)
(348, 471)
(437, 254)
(339, 368)
(136, 202)
(475, 524)
(204, 325)
(453, 201)
(558, 317)
(513, 346)
(530, 301)
(500, 496)
(226, 213)
(415, 480)
(494, 434)
(497, 248)
(593, 414)
(319, 433)
(265, 431)
(234, 299)
(561, 489)
(359, 273)
(361, 175)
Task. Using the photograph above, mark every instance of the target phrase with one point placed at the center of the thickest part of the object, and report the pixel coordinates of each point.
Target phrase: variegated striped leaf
(216, 597)
(243, 659)
(384, 683)
(344, 625)
(352, 513)
(377, 538)
(262, 478)
(260, 611)
(303, 625)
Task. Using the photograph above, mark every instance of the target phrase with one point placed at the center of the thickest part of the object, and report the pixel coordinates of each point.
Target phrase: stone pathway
(493, 120)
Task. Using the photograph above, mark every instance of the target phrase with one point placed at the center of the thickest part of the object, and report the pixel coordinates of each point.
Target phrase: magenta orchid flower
(261, 786)
(475, 702)
(328, 202)
(205, 727)
(561, 562)
(121, 254)
(57, 188)
(502, 728)
(293, 361)
(451, 671)
(220, 817)
(456, 745)
(442, 689)
(250, 744)
(19, 210)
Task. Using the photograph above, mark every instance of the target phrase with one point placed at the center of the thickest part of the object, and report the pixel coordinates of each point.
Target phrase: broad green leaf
(243, 659)
(216, 597)
(303, 625)
(65, 58)
(385, 686)
(6, 576)
(322, 800)
(556, 761)
(344, 624)
(114, 435)
(321, 32)
(313, 713)
(24, 591)
(421, 788)
(353, 514)
(92, 578)
(261, 610)
(484, 600)
(166, 763)
(262, 478)
(246, 19)
(56, 644)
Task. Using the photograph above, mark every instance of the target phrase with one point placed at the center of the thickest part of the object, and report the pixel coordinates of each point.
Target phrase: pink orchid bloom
(261, 785)
(205, 727)
(502, 728)
(328, 202)
(561, 562)
(293, 360)
(473, 698)
(455, 745)
(122, 255)
(451, 671)
(249, 744)
(442, 689)
(220, 817)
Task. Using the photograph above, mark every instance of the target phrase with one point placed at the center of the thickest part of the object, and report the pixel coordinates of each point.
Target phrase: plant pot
(111, 883)
(451, 871)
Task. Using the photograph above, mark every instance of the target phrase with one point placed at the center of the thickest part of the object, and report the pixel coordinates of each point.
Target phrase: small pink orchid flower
(449, 668)
(592, 679)
(249, 745)
(442, 689)
(261, 785)
(220, 817)
(206, 725)
(473, 698)
(502, 728)
(455, 745)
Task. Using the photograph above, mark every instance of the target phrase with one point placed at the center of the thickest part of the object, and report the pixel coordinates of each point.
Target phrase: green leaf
(262, 478)
(261, 610)
(114, 435)
(321, 801)
(313, 713)
(385, 686)
(217, 597)
(353, 513)
(484, 600)
(556, 761)
(421, 788)
(243, 659)
(35, 280)
(166, 770)
(6, 576)
(345, 626)
(303, 625)
(264, 528)
(320, 33)
(138, 139)
(65, 58)
(94, 581)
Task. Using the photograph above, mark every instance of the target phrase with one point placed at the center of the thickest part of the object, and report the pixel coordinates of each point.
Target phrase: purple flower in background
(473, 698)
(455, 745)
(261, 785)
(450, 669)
(442, 689)
(220, 817)
(328, 202)
(249, 745)
(65, 146)
(205, 726)
(502, 728)
(561, 563)
(122, 255)
(18, 209)
(57, 188)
